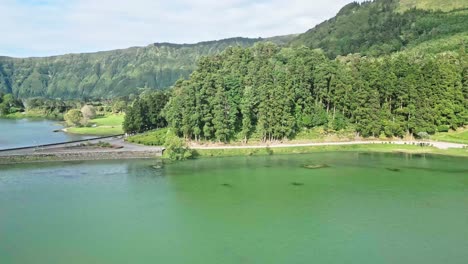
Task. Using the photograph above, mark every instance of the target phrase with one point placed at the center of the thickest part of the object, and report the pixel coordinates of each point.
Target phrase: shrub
(73, 117)
(443, 128)
(176, 148)
(88, 112)
(422, 135)
(339, 122)
(102, 144)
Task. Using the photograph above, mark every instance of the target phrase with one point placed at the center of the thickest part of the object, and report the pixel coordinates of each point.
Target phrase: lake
(363, 208)
(15, 133)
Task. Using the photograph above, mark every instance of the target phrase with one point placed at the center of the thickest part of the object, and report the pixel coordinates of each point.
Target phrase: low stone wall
(78, 156)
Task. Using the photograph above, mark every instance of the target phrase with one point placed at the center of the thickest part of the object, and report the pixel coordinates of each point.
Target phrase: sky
(52, 27)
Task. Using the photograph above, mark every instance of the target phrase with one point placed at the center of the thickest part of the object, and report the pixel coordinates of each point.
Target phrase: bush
(339, 123)
(422, 135)
(88, 112)
(443, 128)
(383, 136)
(102, 144)
(176, 148)
(73, 117)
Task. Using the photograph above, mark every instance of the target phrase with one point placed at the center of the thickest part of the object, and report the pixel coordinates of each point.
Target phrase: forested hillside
(380, 28)
(110, 73)
(272, 93)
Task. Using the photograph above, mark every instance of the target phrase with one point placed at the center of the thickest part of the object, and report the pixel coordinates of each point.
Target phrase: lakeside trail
(436, 144)
(118, 148)
(115, 148)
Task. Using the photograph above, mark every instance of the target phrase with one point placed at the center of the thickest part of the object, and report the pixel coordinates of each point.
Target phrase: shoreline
(87, 150)
(78, 156)
(68, 152)
(436, 144)
(371, 147)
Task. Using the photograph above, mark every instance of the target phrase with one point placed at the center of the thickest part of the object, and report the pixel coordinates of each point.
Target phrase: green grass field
(454, 137)
(96, 131)
(105, 126)
(111, 120)
(150, 138)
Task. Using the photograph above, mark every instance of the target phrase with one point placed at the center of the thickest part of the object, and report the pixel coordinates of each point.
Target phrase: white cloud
(47, 27)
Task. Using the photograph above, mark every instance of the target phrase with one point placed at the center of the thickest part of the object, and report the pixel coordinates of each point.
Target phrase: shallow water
(15, 133)
(363, 208)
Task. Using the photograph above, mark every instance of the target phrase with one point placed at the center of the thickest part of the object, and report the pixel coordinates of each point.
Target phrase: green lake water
(364, 208)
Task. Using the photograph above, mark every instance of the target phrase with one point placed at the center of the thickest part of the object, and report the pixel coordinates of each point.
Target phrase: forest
(271, 93)
(371, 28)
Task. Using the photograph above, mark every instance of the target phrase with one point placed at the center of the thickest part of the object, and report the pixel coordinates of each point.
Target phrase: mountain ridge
(109, 73)
(279, 40)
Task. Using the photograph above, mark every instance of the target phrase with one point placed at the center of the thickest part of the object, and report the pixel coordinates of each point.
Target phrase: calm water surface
(26, 132)
(364, 208)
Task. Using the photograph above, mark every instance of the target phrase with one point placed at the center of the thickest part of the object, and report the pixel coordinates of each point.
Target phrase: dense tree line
(56, 108)
(271, 93)
(146, 112)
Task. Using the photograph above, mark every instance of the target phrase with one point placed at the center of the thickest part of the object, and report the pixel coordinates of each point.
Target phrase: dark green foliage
(271, 93)
(146, 113)
(51, 108)
(9, 104)
(443, 128)
(74, 117)
(377, 27)
(176, 149)
(339, 122)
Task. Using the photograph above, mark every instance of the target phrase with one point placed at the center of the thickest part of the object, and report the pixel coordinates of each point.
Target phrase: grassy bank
(150, 138)
(157, 138)
(101, 126)
(460, 136)
(384, 148)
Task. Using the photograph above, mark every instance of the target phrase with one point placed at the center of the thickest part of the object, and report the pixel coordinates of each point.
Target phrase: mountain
(385, 26)
(110, 73)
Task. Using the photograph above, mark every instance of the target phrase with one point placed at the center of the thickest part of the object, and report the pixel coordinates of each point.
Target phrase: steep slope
(377, 28)
(109, 73)
(435, 46)
(443, 5)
